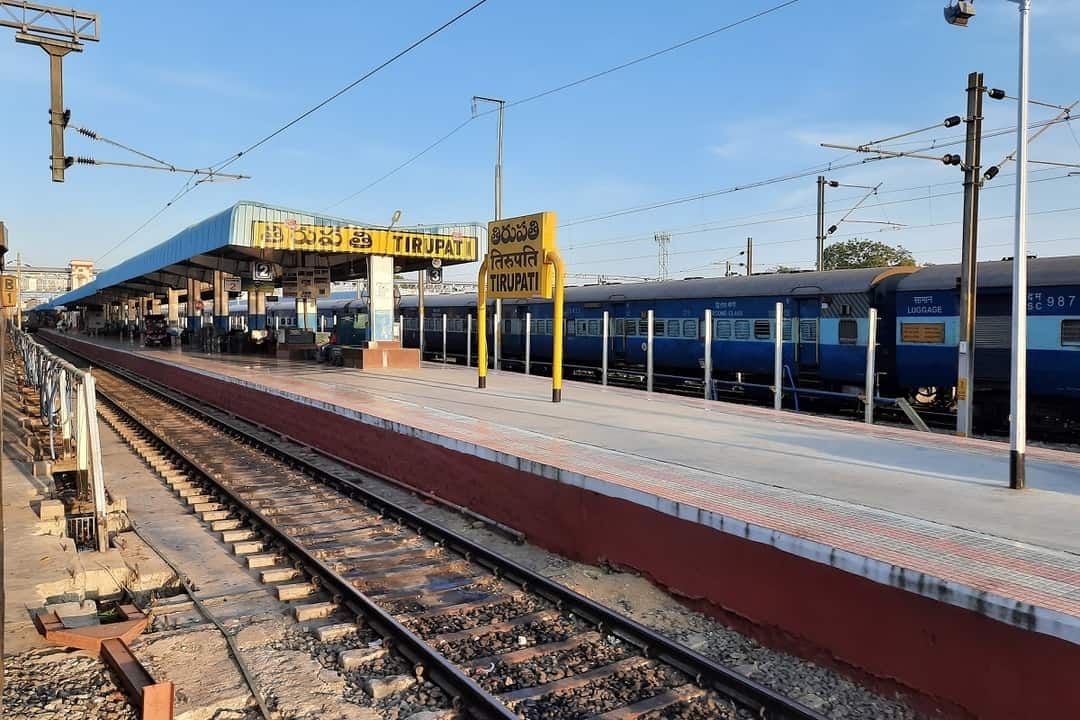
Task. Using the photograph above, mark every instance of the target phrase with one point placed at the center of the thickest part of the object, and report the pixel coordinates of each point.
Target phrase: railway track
(498, 639)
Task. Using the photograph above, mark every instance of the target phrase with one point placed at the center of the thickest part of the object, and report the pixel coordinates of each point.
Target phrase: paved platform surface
(926, 513)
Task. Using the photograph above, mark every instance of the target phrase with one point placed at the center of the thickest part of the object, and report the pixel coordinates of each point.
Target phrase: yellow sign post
(9, 291)
(522, 262)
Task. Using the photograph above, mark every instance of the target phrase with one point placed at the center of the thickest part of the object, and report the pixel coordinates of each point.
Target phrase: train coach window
(849, 332)
(787, 330)
(762, 330)
(1070, 332)
(571, 327)
(690, 329)
(658, 328)
(620, 327)
(674, 329)
(912, 332)
(742, 329)
(594, 328)
(722, 331)
(582, 327)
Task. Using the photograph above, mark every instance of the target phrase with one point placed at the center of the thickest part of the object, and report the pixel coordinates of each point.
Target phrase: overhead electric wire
(101, 138)
(714, 250)
(829, 167)
(855, 207)
(746, 221)
(565, 86)
(188, 187)
(350, 86)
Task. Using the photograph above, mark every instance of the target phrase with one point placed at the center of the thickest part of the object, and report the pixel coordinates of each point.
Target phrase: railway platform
(901, 555)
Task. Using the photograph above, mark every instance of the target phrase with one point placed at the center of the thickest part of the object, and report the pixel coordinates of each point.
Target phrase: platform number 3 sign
(262, 271)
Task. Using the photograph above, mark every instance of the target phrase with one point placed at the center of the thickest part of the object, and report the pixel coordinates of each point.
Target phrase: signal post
(522, 262)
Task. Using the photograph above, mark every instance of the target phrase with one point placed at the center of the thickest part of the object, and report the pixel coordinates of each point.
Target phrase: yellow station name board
(517, 250)
(363, 241)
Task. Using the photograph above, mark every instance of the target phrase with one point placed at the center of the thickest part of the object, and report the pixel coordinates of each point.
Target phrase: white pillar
(468, 340)
(871, 352)
(603, 353)
(708, 353)
(496, 332)
(528, 341)
(444, 338)
(380, 298)
(401, 329)
(649, 354)
(1018, 374)
(778, 369)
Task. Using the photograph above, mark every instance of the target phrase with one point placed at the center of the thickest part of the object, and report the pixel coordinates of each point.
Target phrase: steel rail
(466, 693)
(764, 701)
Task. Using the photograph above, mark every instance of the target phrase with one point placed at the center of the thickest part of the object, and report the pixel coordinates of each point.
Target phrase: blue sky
(194, 85)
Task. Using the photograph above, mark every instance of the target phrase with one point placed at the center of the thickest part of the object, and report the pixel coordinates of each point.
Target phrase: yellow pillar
(558, 325)
(481, 324)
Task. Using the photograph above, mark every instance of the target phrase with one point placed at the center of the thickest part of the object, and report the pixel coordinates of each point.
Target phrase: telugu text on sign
(365, 241)
(517, 250)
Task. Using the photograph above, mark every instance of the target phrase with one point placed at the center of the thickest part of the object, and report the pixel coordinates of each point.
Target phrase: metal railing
(67, 407)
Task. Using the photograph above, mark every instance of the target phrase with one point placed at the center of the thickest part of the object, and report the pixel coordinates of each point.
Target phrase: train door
(617, 332)
(809, 321)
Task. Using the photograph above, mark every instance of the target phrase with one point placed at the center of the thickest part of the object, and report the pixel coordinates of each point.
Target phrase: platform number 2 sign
(262, 271)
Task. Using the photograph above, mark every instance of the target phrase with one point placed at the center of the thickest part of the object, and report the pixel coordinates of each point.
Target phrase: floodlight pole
(1018, 399)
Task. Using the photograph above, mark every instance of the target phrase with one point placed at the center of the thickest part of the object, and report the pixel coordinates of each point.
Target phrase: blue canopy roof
(220, 242)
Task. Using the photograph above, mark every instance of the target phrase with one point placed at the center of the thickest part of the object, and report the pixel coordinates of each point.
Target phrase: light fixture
(960, 13)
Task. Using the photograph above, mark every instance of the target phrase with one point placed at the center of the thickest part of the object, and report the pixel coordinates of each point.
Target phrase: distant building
(40, 284)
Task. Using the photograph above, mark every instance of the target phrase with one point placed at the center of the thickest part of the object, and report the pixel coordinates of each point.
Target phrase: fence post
(97, 472)
(528, 341)
(444, 338)
(871, 352)
(649, 353)
(603, 354)
(708, 353)
(468, 340)
(401, 329)
(778, 370)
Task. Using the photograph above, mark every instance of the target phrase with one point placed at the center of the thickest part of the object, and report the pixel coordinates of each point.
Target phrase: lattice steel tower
(663, 242)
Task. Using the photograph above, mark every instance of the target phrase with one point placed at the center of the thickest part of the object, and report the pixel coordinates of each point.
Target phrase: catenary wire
(189, 186)
(560, 88)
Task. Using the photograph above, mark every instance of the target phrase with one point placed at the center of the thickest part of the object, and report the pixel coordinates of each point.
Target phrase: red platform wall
(956, 659)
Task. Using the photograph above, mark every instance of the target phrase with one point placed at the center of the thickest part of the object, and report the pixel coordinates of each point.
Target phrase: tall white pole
(708, 353)
(871, 357)
(468, 340)
(1018, 404)
(778, 358)
(649, 353)
(498, 216)
(603, 352)
(444, 338)
(528, 342)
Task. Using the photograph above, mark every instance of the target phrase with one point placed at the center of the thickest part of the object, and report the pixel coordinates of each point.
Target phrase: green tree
(864, 253)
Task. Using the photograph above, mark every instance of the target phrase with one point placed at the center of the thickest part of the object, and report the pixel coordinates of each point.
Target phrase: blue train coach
(928, 327)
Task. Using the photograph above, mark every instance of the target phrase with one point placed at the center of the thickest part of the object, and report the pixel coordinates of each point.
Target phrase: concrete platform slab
(784, 521)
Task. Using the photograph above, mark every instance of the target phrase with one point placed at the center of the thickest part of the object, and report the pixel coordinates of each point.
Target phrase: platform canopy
(247, 237)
